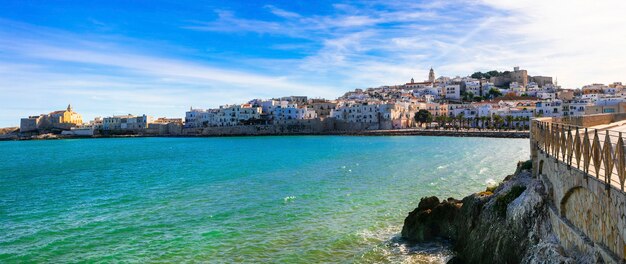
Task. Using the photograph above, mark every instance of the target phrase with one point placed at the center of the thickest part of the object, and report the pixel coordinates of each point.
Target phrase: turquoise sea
(293, 199)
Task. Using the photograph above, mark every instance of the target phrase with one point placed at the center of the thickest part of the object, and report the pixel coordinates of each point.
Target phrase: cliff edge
(508, 224)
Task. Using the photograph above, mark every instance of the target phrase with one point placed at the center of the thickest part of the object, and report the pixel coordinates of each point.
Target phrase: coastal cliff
(508, 224)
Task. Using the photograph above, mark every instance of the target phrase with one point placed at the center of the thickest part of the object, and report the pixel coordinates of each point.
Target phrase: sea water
(292, 199)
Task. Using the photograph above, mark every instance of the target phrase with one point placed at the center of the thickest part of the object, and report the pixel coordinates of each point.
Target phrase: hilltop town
(485, 101)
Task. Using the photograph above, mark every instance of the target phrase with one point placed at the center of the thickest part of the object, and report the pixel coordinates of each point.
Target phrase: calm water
(224, 200)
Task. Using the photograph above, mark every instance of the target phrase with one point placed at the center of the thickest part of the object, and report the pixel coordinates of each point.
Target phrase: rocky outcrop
(508, 225)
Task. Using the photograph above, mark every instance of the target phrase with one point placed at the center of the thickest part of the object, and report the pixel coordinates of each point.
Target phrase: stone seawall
(561, 216)
(444, 133)
(588, 215)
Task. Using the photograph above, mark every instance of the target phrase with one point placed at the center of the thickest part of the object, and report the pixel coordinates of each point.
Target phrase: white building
(362, 112)
(452, 91)
(126, 122)
(576, 107)
(549, 108)
(546, 95)
(233, 115)
(474, 88)
(517, 88)
(195, 118)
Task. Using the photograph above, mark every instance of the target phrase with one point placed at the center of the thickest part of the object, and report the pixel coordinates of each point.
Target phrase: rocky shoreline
(508, 224)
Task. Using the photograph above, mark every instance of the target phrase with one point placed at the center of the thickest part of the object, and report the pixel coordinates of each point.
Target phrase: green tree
(423, 116)
(493, 93)
(468, 96)
(449, 120)
(509, 121)
(483, 121)
(498, 121)
(493, 73)
(461, 118)
(477, 75)
(441, 121)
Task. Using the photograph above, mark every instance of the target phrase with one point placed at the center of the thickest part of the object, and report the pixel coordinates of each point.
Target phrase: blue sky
(161, 57)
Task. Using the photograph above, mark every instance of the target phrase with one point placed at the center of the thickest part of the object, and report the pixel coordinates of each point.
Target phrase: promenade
(444, 133)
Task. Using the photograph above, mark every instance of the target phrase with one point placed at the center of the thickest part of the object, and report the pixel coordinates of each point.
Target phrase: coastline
(395, 132)
(508, 223)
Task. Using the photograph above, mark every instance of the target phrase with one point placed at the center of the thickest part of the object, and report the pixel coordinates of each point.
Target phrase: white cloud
(106, 79)
(361, 44)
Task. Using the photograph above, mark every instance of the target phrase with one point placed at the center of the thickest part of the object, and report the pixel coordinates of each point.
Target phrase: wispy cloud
(106, 78)
(578, 41)
(282, 13)
(350, 44)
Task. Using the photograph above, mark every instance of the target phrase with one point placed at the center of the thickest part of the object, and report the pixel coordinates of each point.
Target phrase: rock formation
(508, 225)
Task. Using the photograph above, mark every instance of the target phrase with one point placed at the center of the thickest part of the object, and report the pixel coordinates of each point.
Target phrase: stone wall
(306, 126)
(588, 216)
(586, 121)
(591, 120)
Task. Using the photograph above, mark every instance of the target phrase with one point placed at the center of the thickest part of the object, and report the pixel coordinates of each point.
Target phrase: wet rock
(431, 219)
(509, 226)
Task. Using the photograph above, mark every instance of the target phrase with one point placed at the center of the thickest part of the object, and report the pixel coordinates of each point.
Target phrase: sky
(162, 57)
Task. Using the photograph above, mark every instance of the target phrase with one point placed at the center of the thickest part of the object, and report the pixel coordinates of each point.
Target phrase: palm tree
(460, 117)
(497, 121)
(516, 121)
(449, 119)
(476, 119)
(509, 121)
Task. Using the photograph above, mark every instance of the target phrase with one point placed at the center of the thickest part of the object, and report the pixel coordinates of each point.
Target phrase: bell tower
(431, 75)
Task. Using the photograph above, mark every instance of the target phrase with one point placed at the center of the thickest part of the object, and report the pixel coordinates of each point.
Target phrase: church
(62, 119)
(429, 83)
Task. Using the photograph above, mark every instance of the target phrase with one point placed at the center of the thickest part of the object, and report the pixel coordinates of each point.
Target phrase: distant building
(452, 91)
(596, 88)
(321, 107)
(606, 109)
(126, 123)
(62, 119)
(431, 75)
(517, 75)
(473, 87)
(541, 81)
(576, 107)
(549, 108)
(564, 94)
(31, 123)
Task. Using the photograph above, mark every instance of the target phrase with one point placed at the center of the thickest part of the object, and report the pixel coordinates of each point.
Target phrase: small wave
(289, 199)
(491, 183)
(442, 167)
(391, 248)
